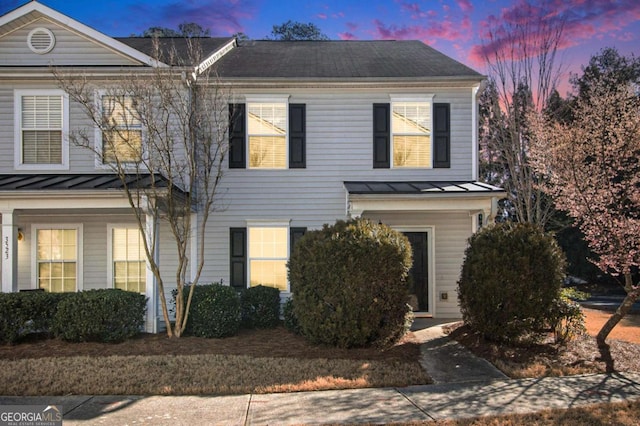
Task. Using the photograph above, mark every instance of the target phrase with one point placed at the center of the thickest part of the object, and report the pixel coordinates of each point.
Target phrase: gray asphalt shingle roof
(335, 59)
(209, 45)
(339, 59)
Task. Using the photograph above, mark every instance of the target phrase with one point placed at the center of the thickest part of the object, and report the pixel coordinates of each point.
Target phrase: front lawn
(259, 361)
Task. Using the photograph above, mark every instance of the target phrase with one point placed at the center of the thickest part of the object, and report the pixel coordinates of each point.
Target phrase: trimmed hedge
(350, 284)
(27, 312)
(260, 307)
(215, 311)
(510, 282)
(106, 315)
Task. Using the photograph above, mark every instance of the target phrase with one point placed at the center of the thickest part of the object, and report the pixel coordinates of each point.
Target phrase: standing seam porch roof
(52, 182)
(421, 187)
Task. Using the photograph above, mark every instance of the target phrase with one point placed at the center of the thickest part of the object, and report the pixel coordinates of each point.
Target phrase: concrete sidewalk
(379, 406)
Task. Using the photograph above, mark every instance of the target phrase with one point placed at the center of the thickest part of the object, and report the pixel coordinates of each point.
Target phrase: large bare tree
(521, 54)
(163, 133)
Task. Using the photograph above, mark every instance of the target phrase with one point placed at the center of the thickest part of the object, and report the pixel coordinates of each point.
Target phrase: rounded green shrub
(290, 320)
(260, 307)
(27, 312)
(349, 282)
(510, 281)
(214, 312)
(106, 315)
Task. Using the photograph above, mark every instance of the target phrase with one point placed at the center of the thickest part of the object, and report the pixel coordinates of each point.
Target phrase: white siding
(451, 231)
(94, 239)
(339, 148)
(70, 49)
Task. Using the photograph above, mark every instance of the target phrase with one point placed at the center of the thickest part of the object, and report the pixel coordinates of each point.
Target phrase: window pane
(121, 145)
(267, 152)
(56, 255)
(267, 119)
(411, 118)
(411, 126)
(270, 273)
(411, 151)
(129, 264)
(268, 242)
(42, 147)
(42, 112)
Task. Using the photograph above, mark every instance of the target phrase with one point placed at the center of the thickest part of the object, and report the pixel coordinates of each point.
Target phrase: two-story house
(320, 131)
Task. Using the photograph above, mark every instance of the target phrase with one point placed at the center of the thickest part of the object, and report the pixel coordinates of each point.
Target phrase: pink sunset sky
(455, 27)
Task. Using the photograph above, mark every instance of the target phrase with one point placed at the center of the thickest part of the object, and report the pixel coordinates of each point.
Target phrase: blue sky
(454, 27)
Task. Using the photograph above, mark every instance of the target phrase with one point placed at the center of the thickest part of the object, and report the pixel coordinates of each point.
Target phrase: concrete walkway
(378, 406)
(465, 386)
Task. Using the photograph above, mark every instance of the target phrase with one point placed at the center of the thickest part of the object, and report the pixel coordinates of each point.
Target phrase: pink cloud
(352, 26)
(583, 20)
(347, 36)
(222, 17)
(321, 16)
(444, 30)
(413, 9)
(338, 15)
(465, 5)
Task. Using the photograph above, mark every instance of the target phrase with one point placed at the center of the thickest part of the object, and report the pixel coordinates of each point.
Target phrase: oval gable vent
(41, 41)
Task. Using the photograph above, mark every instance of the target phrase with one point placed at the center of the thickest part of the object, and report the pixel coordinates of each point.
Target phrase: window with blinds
(122, 134)
(41, 128)
(266, 128)
(128, 260)
(268, 253)
(411, 129)
(57, 259)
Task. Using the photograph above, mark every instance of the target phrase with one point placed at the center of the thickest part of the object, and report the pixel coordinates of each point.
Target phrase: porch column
(9, 252)
(151, 291)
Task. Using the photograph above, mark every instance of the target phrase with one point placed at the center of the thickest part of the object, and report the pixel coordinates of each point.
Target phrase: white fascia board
(215, 57)
(61, 200)
(122, 48)
(422, 204)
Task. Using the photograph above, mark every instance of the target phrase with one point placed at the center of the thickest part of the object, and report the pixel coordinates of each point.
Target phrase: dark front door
(419, 270)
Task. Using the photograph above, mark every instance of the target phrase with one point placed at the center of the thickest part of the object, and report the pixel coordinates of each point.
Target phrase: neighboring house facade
(319, 131)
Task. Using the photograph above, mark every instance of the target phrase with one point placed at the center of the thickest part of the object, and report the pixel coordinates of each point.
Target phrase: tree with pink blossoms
(591, 167)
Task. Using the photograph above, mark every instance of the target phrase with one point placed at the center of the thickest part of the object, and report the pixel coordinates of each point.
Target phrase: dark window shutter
(238, 247)
(295, 234)
(441, 136)
(381, 136)
(297, 136)
(237, 136)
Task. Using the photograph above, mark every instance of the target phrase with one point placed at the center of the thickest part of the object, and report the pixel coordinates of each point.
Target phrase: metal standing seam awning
(472, 196)
(73, 191)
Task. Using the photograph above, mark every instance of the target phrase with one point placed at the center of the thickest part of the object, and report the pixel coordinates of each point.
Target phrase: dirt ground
(628, 329)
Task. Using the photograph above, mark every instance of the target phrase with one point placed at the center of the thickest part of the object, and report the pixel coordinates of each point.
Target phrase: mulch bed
(277, 343)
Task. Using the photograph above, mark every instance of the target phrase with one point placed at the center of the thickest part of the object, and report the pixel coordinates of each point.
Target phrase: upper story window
(267, 134)
(122, 132)
(411, 134)
(41, 128)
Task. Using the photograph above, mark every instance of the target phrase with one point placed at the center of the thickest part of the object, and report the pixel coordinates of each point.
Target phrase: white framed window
(57, 257)
(411, 128)
(120, 140)
(268, 254)
(267, 124)
(127, 261)
(41, 129)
